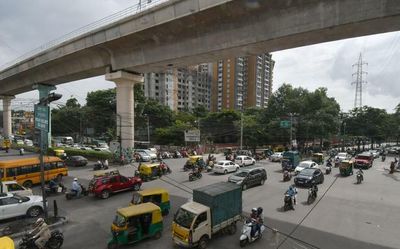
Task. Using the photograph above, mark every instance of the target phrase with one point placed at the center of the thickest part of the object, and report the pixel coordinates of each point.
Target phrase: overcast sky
(26, 24)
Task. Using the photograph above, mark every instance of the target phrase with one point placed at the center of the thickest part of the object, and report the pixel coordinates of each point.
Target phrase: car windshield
(221, 163)
(119, 220)
(307, 172)
(304, 165)
(363, 157)
(241, 173)
(22, 198)
(184, 218)
(342, 155)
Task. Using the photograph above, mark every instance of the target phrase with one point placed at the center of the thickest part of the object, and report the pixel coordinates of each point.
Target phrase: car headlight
(309, 178)
(239, 182)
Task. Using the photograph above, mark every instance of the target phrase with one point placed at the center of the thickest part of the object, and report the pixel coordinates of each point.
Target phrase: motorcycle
(246, 237)
(72, 194)
(288, 202)
(328, 168)
(99, 166)
(55, 189)
(360, 177)
(286, 176)
(194, 176)
(312, 195)
(55, 242)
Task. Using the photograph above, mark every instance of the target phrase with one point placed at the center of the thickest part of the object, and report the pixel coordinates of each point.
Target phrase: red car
(104, 186)
(364, 161)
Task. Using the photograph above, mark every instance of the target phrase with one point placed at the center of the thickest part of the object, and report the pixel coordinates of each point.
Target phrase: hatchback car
(244, 161)
(276, 157)
(104, 186)
(249, 177)
(13, 205)
(74, 161)
(305, 165)
(309, 176)
(225, 166)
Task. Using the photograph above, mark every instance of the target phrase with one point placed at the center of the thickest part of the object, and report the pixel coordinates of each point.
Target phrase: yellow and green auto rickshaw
(192, 160)
(149, 171)
(6, 243)
(346, 167)
(158, 196)
(135, 223)
(318, 158)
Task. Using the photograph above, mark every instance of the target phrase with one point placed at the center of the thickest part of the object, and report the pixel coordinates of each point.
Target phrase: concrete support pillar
(7, 124)
(125, 105)
(44, 91)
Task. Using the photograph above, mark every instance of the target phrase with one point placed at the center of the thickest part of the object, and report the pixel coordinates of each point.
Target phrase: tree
(67, 120)
(100, 110)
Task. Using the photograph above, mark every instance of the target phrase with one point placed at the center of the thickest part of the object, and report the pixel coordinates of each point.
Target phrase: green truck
(290, 160)
(215, 208)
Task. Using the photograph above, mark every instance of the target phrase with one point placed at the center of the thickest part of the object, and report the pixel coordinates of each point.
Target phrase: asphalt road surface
(345, 215)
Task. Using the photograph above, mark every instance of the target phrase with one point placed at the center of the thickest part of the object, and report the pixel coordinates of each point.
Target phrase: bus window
(53, 165)
(10, 172)
(35, 168)
(1, 173)
(60, 165)
(47, 166)
(24, 170)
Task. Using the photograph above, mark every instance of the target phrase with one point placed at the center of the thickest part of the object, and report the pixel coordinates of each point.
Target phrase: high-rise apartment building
(180, 89)
(242, 82)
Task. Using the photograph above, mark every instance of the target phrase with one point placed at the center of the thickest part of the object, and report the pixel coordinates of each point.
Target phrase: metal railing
(135, 9)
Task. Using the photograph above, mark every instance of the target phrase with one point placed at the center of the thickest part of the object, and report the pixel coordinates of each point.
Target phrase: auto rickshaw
(6, 243)
(135, 223)
(158, 196)
(318, 158)
(192, 161)
(60, 153)
(346, 167)
(149, 171)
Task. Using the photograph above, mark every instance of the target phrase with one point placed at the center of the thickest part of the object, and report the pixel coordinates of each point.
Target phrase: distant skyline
(327, 65)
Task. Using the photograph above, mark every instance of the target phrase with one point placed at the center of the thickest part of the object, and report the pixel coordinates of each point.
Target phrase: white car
(28, 142)
(244, 161)
(342, 156)
(225, 166)
(375, 153)
(13, 205)
(153, 156)
(305, 165)
(276, 157)
(14, 188)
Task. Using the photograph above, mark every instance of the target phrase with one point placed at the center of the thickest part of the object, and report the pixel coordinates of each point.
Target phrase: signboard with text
(285, 124)
(42, 117)
(192, 136)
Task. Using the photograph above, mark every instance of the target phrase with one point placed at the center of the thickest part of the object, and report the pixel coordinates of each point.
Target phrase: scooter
(312, 195)
(72, 194)
(246, 237)
(194, 176)
(360, 177)
(55, 242)
(286, 176)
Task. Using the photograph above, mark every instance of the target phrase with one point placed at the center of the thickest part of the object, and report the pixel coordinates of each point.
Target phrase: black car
(308, 176)
(76, 161)
(249, 177)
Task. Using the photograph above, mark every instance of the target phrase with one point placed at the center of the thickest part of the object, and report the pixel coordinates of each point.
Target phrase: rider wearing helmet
(292, 191)
(256, 219)
(41, 233)
(76, 187)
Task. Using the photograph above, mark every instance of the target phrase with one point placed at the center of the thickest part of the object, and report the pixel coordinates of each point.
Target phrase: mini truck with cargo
(215, 208)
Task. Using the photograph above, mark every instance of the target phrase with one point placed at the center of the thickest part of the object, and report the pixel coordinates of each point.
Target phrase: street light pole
(291, 130)
(148, 129)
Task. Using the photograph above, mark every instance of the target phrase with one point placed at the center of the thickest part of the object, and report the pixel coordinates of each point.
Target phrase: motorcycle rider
(76, 187)
(314, 189)
(292, 192)
(392, 166)
(41, 233)
(53, 185)
(361, 174)
(256, 221)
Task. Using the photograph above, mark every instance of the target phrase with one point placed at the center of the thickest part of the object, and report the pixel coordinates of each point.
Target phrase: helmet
(254, 210)
(259, 210)
(39, 222)
(75, 179)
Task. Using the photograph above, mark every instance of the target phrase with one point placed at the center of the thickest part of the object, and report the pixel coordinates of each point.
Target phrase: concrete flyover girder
(186, 32)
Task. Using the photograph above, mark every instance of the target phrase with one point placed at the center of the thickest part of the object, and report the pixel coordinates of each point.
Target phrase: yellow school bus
(26, 171)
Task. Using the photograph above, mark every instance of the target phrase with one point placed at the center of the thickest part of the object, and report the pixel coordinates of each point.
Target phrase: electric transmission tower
(359, 81)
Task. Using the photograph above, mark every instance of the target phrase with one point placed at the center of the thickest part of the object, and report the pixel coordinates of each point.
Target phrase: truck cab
(192, 225)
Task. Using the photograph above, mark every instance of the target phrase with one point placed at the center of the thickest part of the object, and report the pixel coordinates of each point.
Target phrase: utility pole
(359, 81)
(241, 130)
(148, 129)
(42, 122)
